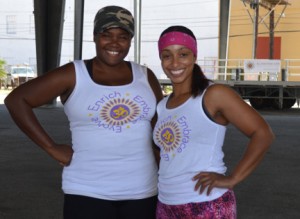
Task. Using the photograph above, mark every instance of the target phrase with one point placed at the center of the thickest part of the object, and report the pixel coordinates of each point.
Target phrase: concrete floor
(30, 181)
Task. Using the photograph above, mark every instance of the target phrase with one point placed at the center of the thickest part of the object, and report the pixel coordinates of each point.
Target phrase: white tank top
(189, 142)
(111, 138)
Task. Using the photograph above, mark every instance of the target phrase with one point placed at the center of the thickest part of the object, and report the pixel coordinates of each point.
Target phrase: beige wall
(241, 39)
(241, 30)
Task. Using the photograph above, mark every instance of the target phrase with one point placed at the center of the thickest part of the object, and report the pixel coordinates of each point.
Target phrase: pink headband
(177, 38)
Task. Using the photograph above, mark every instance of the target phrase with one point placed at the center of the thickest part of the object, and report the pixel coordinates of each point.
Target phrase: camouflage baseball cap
(113, 16)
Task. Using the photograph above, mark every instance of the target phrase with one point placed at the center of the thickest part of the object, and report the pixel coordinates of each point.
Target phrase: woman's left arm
(154, 83)
(226, 103)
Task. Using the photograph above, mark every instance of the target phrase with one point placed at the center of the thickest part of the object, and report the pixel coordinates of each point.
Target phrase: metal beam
(255, 6)
(137, 24)
(78, 28)
(268, 4)
(223, 32)
(49, 17)
(223, 27)
(271, 35)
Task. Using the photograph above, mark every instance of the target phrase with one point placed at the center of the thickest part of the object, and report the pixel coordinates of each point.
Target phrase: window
(11, 24)
(31, 25)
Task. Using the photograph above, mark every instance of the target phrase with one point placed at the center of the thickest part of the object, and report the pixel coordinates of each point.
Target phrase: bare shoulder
(219, 87)
(222, 98)
(151, 76)
(66, 70)
(220, 91)
(154, 83)
(60, 78)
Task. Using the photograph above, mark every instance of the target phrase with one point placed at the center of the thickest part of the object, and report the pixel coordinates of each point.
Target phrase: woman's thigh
(223, 207)
(138, 209)
(81, 207)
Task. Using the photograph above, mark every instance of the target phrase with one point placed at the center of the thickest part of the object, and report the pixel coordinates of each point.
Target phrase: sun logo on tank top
(168, 135)
(118, 112)
(172, 136)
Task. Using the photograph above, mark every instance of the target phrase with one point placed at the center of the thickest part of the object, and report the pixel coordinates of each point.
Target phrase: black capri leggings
(82, 207)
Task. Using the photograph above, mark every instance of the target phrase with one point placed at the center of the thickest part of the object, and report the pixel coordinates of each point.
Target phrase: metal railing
(233, 69)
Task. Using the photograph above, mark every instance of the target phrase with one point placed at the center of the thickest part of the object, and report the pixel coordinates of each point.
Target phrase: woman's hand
(210, 180)
(62, 153)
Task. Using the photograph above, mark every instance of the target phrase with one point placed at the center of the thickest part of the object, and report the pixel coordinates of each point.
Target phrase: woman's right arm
(37, 92)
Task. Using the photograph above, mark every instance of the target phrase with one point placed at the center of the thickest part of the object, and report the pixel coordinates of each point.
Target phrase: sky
(201, 16)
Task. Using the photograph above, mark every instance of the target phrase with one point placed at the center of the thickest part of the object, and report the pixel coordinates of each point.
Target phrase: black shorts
(82, 207)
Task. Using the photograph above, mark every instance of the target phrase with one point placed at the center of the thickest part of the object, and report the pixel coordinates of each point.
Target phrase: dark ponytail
(199, 81)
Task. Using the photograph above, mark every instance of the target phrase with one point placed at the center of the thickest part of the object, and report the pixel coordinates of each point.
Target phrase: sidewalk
(3, 94)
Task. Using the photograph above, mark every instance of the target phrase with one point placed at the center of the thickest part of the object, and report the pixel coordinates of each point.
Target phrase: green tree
(2, 70)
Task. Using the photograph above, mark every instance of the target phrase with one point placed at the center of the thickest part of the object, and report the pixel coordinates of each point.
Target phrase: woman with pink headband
(190, 132)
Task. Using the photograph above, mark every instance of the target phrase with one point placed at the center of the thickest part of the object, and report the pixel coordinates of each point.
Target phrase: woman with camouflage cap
(110, 170)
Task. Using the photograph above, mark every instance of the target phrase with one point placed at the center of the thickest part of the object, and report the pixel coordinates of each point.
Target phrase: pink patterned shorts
(220, 208)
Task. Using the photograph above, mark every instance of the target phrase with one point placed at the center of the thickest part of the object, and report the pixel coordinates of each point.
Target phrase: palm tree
(2, 72)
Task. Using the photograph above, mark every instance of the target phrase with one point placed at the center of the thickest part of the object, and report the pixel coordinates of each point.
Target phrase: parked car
(18, 75)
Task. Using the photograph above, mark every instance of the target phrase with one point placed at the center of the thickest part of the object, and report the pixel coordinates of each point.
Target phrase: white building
(17, 32)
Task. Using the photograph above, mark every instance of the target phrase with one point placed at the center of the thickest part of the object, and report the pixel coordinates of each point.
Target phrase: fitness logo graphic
(172, 135)
(168, 135)
(115, 112)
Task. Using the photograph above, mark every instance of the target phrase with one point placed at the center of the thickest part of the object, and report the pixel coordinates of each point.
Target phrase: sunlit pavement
(3, 94)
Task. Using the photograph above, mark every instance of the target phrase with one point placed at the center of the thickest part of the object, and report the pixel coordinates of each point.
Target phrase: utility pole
(269, 5)
(255, 6)
(271, 35)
